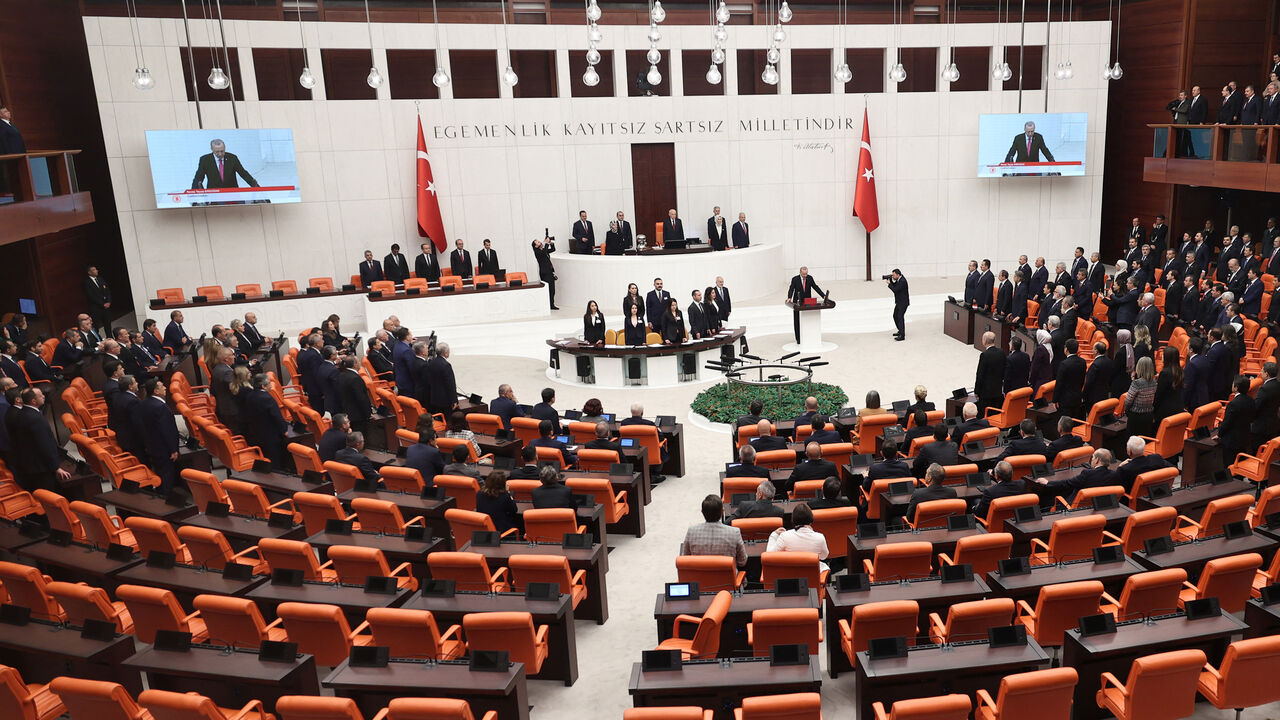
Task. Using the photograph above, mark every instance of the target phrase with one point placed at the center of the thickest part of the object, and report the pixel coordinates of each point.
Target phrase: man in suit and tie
(697, 315)
(1198, 110)
(655, 303)
(11, 142)
(717, 230)
(802, 287)
(219, 168)
(584, 235)
(425, 265)
(370, 270)
(741, 232)
(487, 263)
(1028, 146)
(624, 231)
(460, 260)
(982, 296)
(726, 305)
(395, 267)
(672, 227)
(99, 297)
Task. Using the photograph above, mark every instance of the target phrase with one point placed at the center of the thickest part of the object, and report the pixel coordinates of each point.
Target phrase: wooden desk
(506, 693)
(411, 504)
(1191, 556)
(397, 548)
(1024, 533)
(721, 685)
(143, 504)
(42, 651)
(596, 605)
(733, 632)
(957, 321)
(75, 562)
(562, 643)
(1027, 587)
(353, 600)
(243, 531)
(934, 670)
(944, 541)
(931, 594)
(186, 582)
(279, 486)
(1114, 653)
(1191, 500)
(229, 679)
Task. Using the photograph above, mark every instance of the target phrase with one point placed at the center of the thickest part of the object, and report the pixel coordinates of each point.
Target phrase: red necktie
(224, 177)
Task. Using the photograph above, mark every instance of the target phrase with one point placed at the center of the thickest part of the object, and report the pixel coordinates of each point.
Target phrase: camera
(886, 277)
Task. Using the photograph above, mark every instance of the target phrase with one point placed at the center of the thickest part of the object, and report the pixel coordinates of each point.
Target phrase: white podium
(810, 328)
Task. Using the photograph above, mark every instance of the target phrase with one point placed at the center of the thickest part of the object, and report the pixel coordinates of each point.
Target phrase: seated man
(713, 537)
(813, 467)
(1098, 474)
(935, 490)
(831, 496)
(762, 506)
(971, 422)
(333, 439)
(351, 455)
(767, 440)
(1027, 443)
(821, 434)
(747, 466)
(545, 439)
(551, 493)
(1138, 462)
(528, 469)
(460, 466)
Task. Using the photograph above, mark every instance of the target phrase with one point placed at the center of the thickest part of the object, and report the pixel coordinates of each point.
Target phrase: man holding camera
(901, 299)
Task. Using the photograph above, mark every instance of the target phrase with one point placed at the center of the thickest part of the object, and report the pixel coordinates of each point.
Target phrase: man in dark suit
(334, 439)
(655, 303)
(353, 396)
(1098, 474)
(444, 388)
(813, 467)
(584, 235)
(717, 230)
(672, 227)
(741, 232)
(505, 406)
(395, 266)
(802, 287)
(982, 297)
(154, 423)
(697, 316)
(989, 381)
(551, 493)
(747, 466)
(402, 361)
(762, 506)
(1068, 391)
(1198, 111)
(1233, 431)
(11, 142)
(940, 451)
(766, 440)
(487, 263)
(935, 490)
(175, 337)
(370, 270)
(1004, 486)
(542, 250)
(264, 426)
(98, 295)
(1017, 367)
(218, 169)
(1138, 462)
(546, 439)
(1026, 444)
(624, 231)
(460, 260)
(1028, 146)
(545, 411)
(34, 451)
(351, 455)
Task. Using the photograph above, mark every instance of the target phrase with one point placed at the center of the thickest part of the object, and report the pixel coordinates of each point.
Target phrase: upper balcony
(39, 194)
(1242, 157)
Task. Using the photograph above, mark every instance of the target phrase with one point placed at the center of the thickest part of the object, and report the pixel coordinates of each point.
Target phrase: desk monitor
(239, 572)
(627, 442)
(160, 559)
(278, 651)
(14, 614)
(379, 585)
(485, 538)
(789, 654)
(871, 530)
(855, 582)
(492, 660)
(660, 660)
(542, 591)
(1100, 624)
(901, 488)
(681, 591)
(1202, 608)
(1158, 545)
(791, 587)
(1007, 636)
(370, 656)
(1108, 553)
(173, 640)
(1271, 594)
(577, 541)
(215, 509)
(1237, 529)
(887, 648)
(439, 588)
(957, 573)
(1011, 567)
(100, 630)
(1106, 502)
(961, 522)
(338, 527)
(1027, 513)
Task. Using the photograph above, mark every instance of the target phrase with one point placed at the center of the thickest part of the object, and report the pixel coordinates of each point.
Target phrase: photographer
(542, 250)
(901, 299)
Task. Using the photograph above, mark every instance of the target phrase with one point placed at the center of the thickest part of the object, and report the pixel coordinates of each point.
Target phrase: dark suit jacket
(1068, 393)
(370, 272)
(355, 458)
(207, 176)
(1019, 152)
(460, 263)
(426, 459)
(741, 234)
(1017, 371)
(990, 376)
(426, 265)
(395, 267)
(353, 398)
(718, 237)
(543, 411)
(487, 262)
(552, 496)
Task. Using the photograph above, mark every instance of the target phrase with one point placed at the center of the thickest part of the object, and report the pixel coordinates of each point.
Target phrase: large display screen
(1032, 144)
(196, 168)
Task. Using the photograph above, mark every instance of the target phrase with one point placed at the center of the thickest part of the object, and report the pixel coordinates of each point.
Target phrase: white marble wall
(356, 160)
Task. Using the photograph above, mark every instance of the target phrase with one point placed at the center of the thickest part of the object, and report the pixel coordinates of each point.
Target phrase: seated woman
(494, 500)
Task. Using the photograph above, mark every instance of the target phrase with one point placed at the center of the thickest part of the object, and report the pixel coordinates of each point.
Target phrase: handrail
(42, 153)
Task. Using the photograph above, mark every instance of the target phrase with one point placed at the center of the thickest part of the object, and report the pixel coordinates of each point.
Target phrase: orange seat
(942, 707)
(1035, 695)
(237, 622)
(970, 620)
(550, 524)
(82, 602)
(1072, 538)
(165, 705)
(1147, 593)
(1246, 677)
(469, 571)
(311, 707)
(900, 561)
(355, 564)
(791, 564)
(1059, 609)
(21, 700)
(295, 555)
(1159, 686)
(783, 626)
(983, 552)
(321, 630)
(414, 634)
(553, 569)
(875, 620)
(710, 572)
(705, 642)
(155, 609)
(757, 528)
(1230, 579)
(513, 632)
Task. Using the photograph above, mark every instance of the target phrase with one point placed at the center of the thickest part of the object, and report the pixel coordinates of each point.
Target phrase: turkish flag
(864, 192)
(430, 224)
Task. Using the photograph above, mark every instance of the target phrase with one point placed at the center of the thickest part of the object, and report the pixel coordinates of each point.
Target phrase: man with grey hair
(441, 386)
(762, 506)
(1139, 462)
(1005, 486)
(219, 168)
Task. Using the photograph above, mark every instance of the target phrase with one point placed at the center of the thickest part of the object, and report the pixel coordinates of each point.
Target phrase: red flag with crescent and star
(430, 223)
(864, 193)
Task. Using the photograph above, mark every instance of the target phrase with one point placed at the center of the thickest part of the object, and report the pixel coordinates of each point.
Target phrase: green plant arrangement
(725, 403)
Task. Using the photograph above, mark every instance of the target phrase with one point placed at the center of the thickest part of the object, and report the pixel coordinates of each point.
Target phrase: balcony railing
(1228, 156)
(39, 194)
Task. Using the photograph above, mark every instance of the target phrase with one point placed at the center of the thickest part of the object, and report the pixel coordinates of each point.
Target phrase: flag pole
(868, 232)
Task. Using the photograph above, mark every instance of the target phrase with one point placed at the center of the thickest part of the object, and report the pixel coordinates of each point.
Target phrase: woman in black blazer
(593, 324)
(711, 299)
(633, 297)
(673, 324)
(635, 331)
